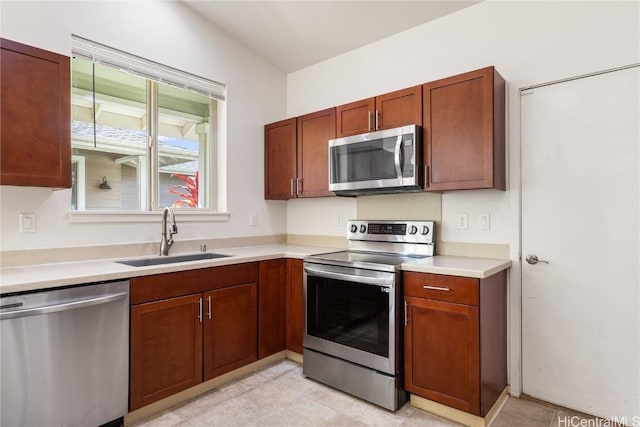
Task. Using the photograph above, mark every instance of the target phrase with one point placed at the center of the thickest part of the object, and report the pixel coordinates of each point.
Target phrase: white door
(580, 195)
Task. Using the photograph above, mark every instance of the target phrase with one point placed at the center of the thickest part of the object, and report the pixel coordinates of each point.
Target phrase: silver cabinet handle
(405, 312)
(436, 288)
(200, 310)
(71, 305)
(298, 186)
(291, 192)
(377, 120)
(209, 312)
(533, 259)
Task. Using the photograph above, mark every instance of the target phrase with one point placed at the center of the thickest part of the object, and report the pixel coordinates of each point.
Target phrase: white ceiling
(296, 34)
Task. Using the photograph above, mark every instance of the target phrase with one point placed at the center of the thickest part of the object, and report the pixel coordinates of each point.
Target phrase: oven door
(350, 314)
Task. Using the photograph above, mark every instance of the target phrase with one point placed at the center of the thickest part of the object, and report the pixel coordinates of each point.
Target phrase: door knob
(533, 259)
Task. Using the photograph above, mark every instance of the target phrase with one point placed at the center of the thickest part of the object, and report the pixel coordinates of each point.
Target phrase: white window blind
(126, 62)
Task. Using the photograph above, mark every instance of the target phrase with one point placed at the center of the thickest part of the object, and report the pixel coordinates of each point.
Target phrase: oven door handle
(367, 280)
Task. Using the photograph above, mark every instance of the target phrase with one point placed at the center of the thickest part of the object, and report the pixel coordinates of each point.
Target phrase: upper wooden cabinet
(464, 131)
(355, 117)
(399, 108)
(280, 159)
(35, 117)
(296, 156)
(463, 120)
(314, 132)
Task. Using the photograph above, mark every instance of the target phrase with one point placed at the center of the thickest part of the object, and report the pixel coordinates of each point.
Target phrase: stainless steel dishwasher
(65, 356)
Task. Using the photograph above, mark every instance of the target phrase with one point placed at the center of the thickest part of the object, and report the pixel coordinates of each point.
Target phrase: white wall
(172, 34)
(528, 43)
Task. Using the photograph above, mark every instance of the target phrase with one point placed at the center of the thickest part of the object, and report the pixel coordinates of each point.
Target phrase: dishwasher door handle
(69, 305)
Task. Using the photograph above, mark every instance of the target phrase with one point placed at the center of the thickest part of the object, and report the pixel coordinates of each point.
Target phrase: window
(144, 136)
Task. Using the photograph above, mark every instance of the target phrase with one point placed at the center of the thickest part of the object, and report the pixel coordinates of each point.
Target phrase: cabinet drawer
(170, 285)
(461, 290)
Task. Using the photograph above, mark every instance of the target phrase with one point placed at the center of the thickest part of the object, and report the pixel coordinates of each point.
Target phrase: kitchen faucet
(165, 243)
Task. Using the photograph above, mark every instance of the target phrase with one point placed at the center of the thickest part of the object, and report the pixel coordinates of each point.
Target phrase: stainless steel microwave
(385, 161)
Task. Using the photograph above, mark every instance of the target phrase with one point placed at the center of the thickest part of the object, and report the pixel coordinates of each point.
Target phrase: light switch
(253, 219)
(27, 223)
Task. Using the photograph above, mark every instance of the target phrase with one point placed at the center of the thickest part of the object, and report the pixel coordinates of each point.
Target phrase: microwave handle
(398, 151)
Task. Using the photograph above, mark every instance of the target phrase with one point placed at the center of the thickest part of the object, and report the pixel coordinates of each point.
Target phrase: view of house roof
(134, 137)
(176, 155)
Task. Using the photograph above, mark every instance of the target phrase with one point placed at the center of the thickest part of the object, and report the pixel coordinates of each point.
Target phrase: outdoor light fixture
(105, 185)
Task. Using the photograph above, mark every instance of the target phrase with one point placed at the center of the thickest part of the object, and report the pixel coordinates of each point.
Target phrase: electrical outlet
(339, 219)
(484, 221)
(27, 223)
(462, 222)
(253, 219)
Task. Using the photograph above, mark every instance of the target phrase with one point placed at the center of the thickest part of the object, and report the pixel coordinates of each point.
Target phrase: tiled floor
(280, 396)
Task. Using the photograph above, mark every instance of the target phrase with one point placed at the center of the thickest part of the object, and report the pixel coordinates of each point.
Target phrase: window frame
(155, 74)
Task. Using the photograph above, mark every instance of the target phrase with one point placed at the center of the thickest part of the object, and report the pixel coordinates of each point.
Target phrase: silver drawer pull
(436, 288)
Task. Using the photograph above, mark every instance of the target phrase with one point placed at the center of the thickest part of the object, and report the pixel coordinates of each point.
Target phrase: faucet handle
(173, 228)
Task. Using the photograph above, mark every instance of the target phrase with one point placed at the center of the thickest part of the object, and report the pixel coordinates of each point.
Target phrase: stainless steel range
(353, 311)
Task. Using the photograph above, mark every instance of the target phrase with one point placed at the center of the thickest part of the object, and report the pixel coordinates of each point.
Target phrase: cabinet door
(399, 108)
(295, 305)
(464, 131)
(442, 353)
(355, 117)
(166, 348)
(230, 329)
(35, 108)
(271, 307)
(280, 160)
(314, 132)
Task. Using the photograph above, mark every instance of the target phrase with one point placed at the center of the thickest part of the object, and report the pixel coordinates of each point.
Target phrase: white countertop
(44, 276)
(479, 268)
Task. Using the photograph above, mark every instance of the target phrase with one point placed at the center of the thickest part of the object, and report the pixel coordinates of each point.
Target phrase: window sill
(150, 217)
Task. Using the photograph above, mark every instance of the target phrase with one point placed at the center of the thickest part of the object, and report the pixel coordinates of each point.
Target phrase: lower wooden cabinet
(166, 348)
(192, 326)
(271, 310)
(455, 339)
(295, 305)
(281, 308)
(230, 334)
(442, 344)
(188, 327)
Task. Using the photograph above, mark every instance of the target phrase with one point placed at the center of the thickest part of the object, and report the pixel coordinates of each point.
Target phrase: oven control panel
(391, 231)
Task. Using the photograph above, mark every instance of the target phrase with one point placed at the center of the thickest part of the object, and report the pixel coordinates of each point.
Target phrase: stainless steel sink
(143, 262)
